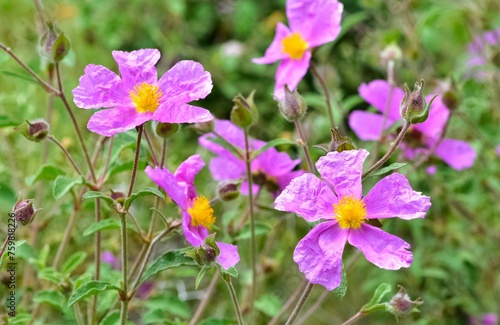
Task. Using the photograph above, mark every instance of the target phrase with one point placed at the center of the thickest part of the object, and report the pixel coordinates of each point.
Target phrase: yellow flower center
(294, 45)
(146, 97)
(202, 213)
(350, 212)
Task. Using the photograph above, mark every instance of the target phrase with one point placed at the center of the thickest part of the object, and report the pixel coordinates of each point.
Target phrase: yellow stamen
(146, 97)
(294, 45)
(202, 213)
(350, 212)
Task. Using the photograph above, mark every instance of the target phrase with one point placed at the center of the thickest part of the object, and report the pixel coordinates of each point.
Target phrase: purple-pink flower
(312, 23)
(197, 214)
(480, 54)
(421, 137)
(338, 200)
(138, 96)
(272, 169)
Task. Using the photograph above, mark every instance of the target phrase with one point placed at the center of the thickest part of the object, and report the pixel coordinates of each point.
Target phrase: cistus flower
(138, 96)
(481, 52)
(345, 213)
(420, 137)
(197, 214)
(486, 319)
(312, 23)
(271, 169)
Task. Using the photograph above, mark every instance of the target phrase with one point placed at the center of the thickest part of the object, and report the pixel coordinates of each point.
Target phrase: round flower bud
(391, 52)
(450, 99)
(229, 190)
(24, 212)
(36, 130)
(204, 127)
(413, 107)
(166, 130)
(401, 305)
(293, 107)
(244, 112)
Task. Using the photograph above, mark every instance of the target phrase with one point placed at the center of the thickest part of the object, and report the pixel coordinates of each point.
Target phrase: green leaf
(226, 145)
(25, 77)
(218, 321)
(387, 169)
(88, 289)
(272, 143)
(47, 172)
(54, 298)
(98, 195)
(106, 224)
(200, 275)
(111, 319)
(143, 192)
(6, 121)
(231, 271)
(62, 184)
(341, 290)
(378, 295)
(168, 260)
(21, 319)
(260, 229)
(72, 262)
(50, 274)
(269, 304)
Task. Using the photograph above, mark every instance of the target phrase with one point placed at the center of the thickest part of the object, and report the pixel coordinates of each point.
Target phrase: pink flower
(197, 214)
(421, 137)
(479, 50)
(138, 96)
(272, 169)
(312, 23)
(345, 211)
(486, 319)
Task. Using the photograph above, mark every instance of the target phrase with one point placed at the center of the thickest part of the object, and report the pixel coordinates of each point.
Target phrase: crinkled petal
(187, 171)
(275, 51)
(194, 235)
(380, 248)
(343, 171)
(227, 130)
(319, 254)
(229, 256)
(137, 67)
(184, 82)
(392, 197)
(166, 180)
(456, 153)
(99, 87)
(290, 72)
(275, 163)
(285, 179)
(223, 168)
(308, 197)
(111, 121)
(171, 112)
(367, 125)
(376, 93)
(438, 115)
(317, 20)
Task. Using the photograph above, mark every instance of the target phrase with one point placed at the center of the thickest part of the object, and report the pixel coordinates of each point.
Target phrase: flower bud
(339, 143)
(118, 197)
(166, 130)
(391, 52)
(205, 254)
(450, 100)
(36, 130)
(413, 107)
(204, 127)
(293, 107)
(53, 46)
(24, 212)
(401, 305)
(229, 190)
(244, 112)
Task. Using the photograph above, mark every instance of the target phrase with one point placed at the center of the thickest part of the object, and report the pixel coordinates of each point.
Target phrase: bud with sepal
(413, 107)
(293, 107)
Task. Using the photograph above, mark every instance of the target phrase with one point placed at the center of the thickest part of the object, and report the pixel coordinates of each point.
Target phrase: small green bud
(401, 305)
(204, 127)
(47, 43)
(413, 107)
(244, 112)
(36, 130)
(293, 107)
(229, 190)
(166, 130)
(450, 99)
(391, 52)
(205, 254)
(339, 143)
(60, 48)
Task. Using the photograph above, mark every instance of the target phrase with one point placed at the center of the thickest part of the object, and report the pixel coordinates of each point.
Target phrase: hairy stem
(326, 92)
(136, 160)
(354, 318)
(204, 301)
(289, 302)
(124, 245)
(300, 304)
(234, 298)
(151, 148)
(97, 260)
(66, 153)
(298, 127)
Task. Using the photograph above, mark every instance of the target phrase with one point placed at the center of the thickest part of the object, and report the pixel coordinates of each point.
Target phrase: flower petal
(184, 82)
(319, 254)
(223, 168)
(367, 125)
(456, 153)
(187, 171)
(99, 87)
(194, 235)
(229, 256)
(285, 179)
(438, 115)
(166, 180)
(317, 20)
(274, 163)
(290, 72)
(111, 121)
(343, 171)
(275, 51)
(137, 66)
(308, 197)
(376, 93)
(392, 197)
(380, 248)
(170, 112)
(227, 130)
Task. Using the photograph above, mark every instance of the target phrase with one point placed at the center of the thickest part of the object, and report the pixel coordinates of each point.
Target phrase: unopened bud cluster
(244, 112)
(413, 107)
(293, 107)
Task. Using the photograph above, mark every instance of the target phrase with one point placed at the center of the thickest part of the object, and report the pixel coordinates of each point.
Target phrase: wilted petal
(343, 171)
(171, 112)
(109, 122)
(319, 254)
(166, 180)
(137, 66)
(308, 197)
(367, 125)
(317, 20)
(376, 93)
(275, 51)
(392, 197)
(184, 82)
(229, 256)
(380, 248)
(456, 153)
(290, 72)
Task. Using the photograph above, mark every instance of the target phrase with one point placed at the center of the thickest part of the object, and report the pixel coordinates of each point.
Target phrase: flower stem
(66, 153)
(252, 220)
(65, 240)
(354, 318)
(136, 159)
(389, 153)
(323, 84)
(289, 302)
(97, 259)
(124, 295)
(204, 301)
(300, 304)
(298, 127)
(234, 298)
(151, 148)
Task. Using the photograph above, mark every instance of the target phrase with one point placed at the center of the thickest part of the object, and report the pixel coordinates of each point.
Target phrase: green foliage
(88, 289)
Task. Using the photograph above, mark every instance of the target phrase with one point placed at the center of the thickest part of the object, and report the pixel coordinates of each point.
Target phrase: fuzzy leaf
(62, 184)
(73, 262)
(88, 289)
(166, 261)
(143, 192)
